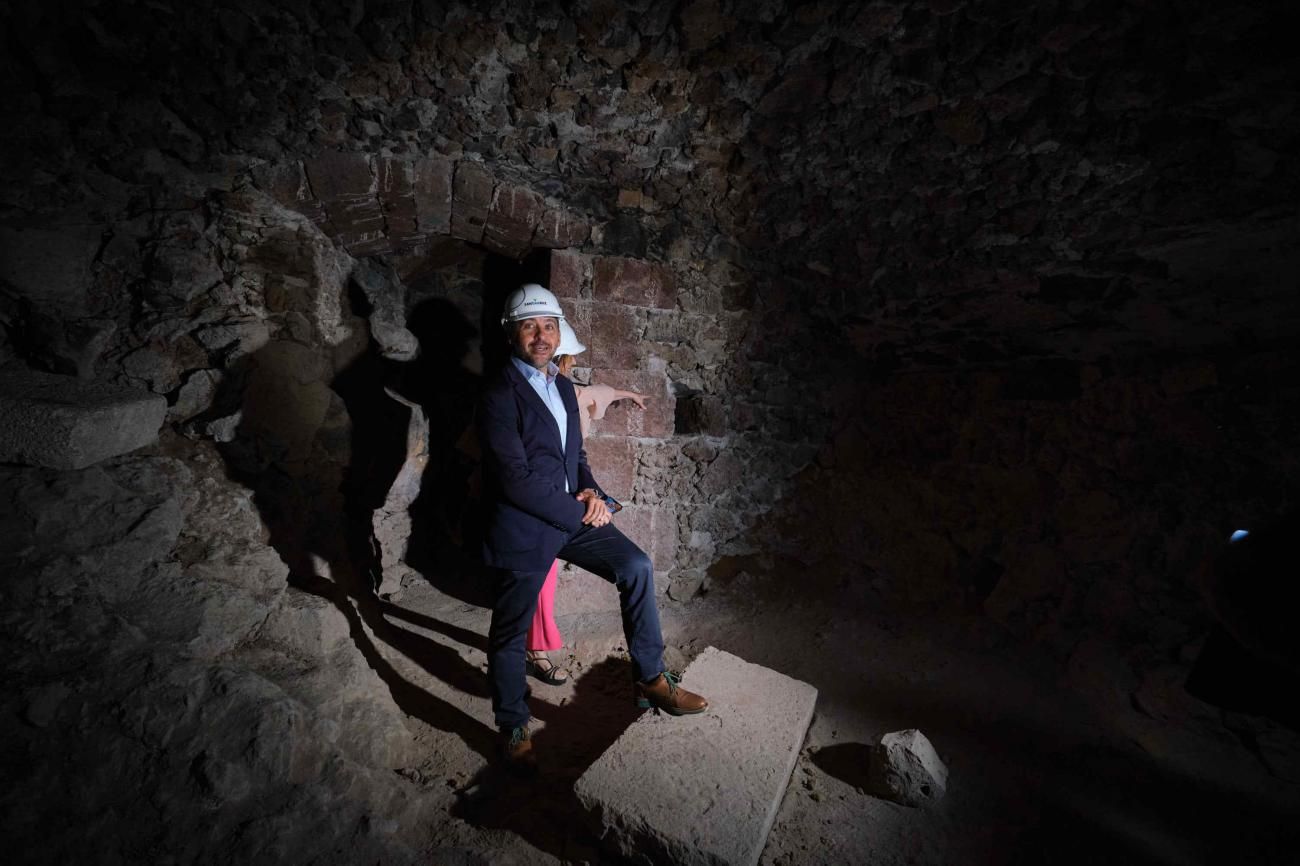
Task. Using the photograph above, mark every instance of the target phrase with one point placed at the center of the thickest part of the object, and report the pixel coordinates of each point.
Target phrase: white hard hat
(530, 300)
(569, 342)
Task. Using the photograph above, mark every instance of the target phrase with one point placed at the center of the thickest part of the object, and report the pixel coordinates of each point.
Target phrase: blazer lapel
(532, 399)
(573, 432)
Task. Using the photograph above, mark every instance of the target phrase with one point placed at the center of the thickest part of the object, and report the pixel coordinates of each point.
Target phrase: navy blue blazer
(530, 515)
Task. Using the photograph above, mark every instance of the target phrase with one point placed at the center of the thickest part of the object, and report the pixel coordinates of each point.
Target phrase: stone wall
(679, 346)
(166, 692)
(936, 184)
(948, 302)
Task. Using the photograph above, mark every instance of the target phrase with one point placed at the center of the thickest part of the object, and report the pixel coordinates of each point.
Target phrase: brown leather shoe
(517, 750)
(663, 693)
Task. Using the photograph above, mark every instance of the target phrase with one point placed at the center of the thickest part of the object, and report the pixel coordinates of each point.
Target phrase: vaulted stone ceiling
(952, 182)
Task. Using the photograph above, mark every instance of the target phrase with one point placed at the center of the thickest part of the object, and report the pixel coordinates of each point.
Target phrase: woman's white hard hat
(569, 342)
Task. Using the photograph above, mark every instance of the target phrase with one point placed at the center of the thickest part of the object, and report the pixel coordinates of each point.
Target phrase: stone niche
(439, 243)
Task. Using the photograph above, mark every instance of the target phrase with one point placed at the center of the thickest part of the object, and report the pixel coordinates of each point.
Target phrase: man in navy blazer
(543, 504)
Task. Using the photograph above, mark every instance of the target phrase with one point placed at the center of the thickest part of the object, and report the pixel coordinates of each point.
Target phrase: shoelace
(517, 736)
(672, 682)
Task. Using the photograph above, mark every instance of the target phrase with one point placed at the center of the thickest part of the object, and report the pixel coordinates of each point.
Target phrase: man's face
(535, 340)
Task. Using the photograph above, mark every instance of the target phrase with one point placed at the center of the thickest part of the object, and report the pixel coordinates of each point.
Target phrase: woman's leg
(544, 633)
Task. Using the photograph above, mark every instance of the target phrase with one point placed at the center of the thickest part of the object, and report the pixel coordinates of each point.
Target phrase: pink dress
(544, 634)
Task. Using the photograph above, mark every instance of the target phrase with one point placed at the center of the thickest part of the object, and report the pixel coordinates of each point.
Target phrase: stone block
(581, 592)
(286, 182)
(613, 462)
(67, 423)
(394, 178)
(654, 529)
(153, 366)
(637, 523)
(559, 229)
(471, 197)
(702, 789)
(570, 274)
(402, 232)
(625, 418)
(431, 186)
(612, 341)
(664, 538)
(348, 188)
(511, 220)
(397, 201)
(651, 528)
(634, 282)
(357, 223)
(196, 395)
(340, 175)
(578, 314)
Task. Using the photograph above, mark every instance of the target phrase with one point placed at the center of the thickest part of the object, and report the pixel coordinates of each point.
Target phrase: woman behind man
(593, 400)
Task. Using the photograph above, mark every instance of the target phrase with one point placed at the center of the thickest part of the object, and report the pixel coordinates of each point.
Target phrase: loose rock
(906, 769)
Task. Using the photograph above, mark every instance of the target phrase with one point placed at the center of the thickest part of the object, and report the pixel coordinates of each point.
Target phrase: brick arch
(376, 205)
(371, 205)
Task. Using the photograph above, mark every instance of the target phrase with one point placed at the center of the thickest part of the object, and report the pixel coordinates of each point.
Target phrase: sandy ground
(1036, 776)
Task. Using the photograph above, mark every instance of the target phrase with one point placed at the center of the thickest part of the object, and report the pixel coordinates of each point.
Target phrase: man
(543, 504)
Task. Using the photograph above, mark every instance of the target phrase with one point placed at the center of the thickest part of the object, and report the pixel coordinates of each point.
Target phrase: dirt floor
(1036, 774)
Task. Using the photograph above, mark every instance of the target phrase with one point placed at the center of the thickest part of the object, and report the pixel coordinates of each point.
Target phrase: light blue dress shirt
(544, 385)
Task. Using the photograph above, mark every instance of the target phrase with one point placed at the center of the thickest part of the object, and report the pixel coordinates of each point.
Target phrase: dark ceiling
(938, 182)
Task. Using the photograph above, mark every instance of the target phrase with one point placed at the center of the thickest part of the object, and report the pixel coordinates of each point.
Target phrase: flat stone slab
(702, 789)
(67, 423)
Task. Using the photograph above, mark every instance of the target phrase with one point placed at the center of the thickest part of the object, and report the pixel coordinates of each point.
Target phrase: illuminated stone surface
(66, 423)
(705, 788)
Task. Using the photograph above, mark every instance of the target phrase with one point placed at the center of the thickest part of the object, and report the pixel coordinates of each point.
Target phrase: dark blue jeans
(604, 551)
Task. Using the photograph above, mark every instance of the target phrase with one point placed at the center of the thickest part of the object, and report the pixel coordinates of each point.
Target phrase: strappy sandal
(546, 670)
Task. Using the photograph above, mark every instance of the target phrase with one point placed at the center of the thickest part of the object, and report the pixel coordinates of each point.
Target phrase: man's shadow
(381, 397)
(446, 522)
(545, 809)
(284, 449)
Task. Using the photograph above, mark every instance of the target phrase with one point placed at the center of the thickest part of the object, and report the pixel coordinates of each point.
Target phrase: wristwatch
(613, 504)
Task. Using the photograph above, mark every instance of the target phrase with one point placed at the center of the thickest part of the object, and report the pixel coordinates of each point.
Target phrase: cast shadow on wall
(287, 438)
(433, 507)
